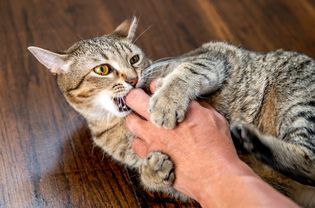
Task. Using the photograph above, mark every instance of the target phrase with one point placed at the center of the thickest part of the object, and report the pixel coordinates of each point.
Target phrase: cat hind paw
(246, 137)
(157, 172)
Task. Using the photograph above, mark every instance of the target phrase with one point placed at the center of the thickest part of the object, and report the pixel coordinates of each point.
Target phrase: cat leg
(169, 103)
(292, 159)
(157, 174)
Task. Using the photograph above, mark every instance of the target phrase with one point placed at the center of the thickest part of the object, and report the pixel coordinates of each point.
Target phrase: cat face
(96, 74)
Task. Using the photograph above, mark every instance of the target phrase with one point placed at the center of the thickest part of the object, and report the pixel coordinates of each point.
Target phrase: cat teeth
(120, 102)
(126, 108)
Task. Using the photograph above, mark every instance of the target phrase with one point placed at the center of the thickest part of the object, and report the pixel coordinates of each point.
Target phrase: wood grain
(46, 155)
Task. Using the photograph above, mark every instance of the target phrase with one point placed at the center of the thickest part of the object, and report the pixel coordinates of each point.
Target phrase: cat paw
(157, 171)
(248, 138)
(242, 135)
(167, 108)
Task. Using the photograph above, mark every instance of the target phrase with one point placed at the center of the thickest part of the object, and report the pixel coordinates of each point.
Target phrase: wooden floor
(46, 155)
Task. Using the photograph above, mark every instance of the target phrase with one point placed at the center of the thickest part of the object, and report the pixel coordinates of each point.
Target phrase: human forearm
(241, 187)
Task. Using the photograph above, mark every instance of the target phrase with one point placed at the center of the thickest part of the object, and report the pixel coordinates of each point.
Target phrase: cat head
(96, 74)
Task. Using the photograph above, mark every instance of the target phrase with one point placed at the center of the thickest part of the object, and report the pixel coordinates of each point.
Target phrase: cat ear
(56, 63)
(127, 29)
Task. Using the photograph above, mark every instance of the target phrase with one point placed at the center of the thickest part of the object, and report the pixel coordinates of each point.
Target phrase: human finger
(139, 147)
(153, 86)
(139, 127)
(138, 101)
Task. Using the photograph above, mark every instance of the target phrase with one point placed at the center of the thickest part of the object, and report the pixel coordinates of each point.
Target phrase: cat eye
(103, 69)
(134, 59)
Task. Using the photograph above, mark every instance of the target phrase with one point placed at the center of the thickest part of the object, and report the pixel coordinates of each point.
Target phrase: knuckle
(208, 112)
(221, 118)
(190, 122)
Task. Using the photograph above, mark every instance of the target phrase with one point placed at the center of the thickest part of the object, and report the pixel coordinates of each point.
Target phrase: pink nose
(132, 81)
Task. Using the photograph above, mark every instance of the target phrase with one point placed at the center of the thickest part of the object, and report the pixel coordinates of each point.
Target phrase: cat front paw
(167, 108)
(157, 171)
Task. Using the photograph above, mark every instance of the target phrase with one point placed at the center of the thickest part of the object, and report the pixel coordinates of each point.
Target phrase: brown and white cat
(269, 99)
(94, 76)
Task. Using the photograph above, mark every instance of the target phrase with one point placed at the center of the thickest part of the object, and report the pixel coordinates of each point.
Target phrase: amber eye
(103, 69)
(134, 59)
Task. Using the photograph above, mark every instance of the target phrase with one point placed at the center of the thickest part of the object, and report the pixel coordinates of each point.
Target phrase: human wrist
(241, 187)
(206, 193)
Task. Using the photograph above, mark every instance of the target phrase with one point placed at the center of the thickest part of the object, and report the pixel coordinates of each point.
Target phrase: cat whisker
(124, 101)
(147, 75)
(157, 66)
(92, 151)
(150, 72)
(163, 59)
(108, 118)
(80, 37)
(103, 156)
(142, 33)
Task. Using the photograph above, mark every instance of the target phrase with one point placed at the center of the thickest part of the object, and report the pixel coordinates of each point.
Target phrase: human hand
(200, 146)
(207, 167)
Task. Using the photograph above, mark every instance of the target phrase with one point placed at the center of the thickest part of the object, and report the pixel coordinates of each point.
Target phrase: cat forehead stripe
(104, 56)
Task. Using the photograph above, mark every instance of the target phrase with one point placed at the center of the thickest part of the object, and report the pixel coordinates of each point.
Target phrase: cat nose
(132, 81)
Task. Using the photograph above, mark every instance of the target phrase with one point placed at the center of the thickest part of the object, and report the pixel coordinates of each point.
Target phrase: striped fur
(269, 99)
(100, 99)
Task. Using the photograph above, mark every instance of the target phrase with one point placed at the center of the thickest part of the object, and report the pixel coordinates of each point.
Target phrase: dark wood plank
(47, 158)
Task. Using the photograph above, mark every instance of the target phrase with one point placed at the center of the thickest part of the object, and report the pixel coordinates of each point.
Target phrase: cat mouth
(121, 104)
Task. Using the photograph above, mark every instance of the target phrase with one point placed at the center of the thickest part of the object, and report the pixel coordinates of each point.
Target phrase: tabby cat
(268, 98)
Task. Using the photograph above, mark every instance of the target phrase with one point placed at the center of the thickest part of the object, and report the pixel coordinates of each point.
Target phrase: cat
(268, 98)
(94, 76)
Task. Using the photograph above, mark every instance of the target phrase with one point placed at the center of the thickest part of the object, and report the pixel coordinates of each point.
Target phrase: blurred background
(46, 154)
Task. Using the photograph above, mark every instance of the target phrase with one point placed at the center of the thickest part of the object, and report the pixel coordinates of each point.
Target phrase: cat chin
(112, 112)
(105, 115)
(121, 114)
